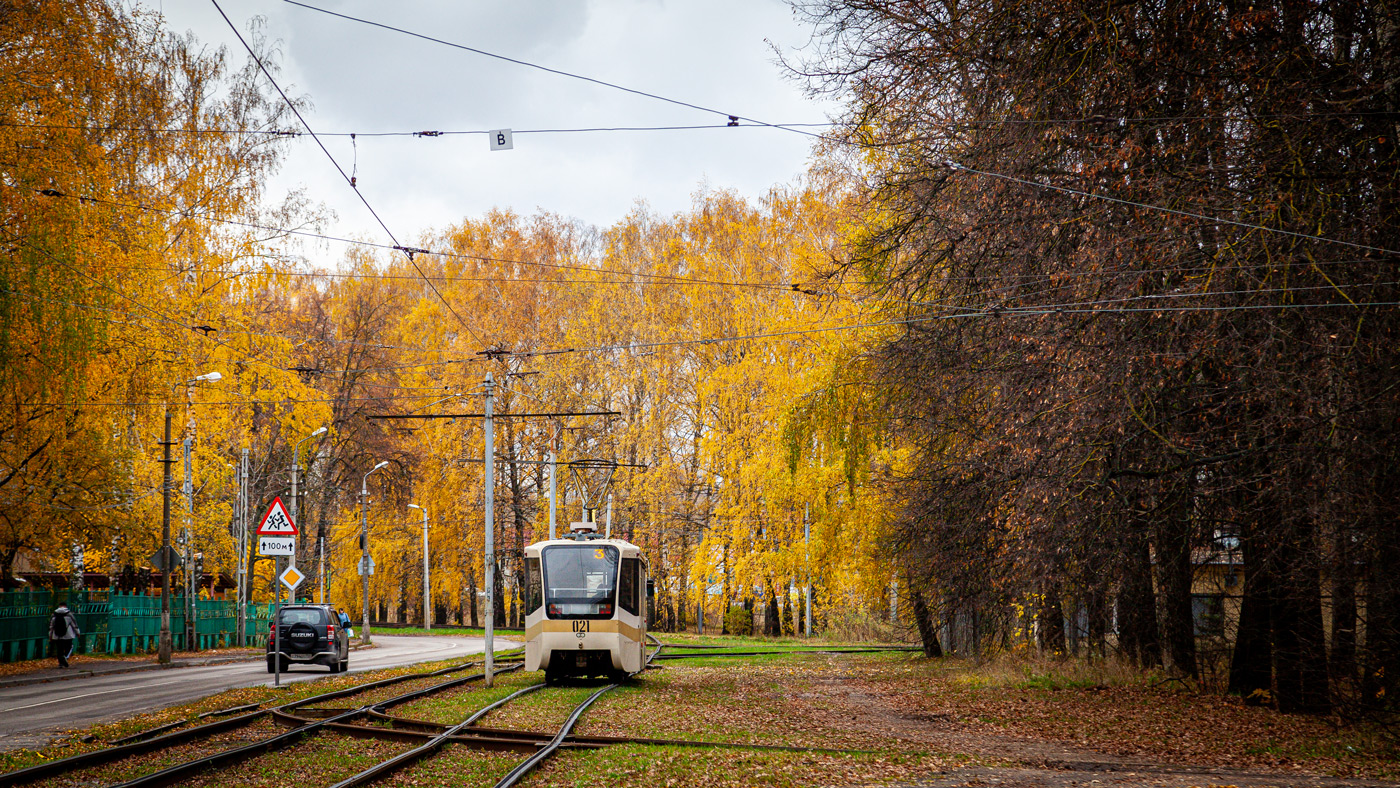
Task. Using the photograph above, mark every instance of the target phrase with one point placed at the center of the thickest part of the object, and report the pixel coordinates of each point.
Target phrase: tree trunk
(1174, 575)
(1300, 650)
(1137, 608)
(928, 628)
(1251, 664)
(1051, 632)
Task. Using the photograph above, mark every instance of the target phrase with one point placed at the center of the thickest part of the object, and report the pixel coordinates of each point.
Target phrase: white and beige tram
(585, 598)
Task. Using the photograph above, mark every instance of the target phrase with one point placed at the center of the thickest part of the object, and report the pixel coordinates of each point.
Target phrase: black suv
(309, 635)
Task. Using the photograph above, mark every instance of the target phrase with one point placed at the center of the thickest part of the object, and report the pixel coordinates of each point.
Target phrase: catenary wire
(662, 278)
(348, 180)
(732, 116)
(294, 134)
(1163, 209)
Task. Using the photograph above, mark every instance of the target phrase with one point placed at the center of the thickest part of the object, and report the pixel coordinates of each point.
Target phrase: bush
(739, 620)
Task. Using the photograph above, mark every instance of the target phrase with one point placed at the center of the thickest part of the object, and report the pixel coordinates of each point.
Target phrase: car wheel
(344, 664)
(270, 667)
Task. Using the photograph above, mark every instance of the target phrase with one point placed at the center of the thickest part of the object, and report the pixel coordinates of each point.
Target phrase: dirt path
(1027, 761)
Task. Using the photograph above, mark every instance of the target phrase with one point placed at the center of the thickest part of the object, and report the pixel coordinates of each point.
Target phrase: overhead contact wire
(348, 180)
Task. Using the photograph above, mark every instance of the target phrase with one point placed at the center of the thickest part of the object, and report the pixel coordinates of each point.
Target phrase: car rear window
(302, 616)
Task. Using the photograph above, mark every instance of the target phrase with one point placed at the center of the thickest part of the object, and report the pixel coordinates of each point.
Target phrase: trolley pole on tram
(490, 527)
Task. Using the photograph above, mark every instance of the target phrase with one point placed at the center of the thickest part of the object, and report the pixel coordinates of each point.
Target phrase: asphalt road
(32, 715)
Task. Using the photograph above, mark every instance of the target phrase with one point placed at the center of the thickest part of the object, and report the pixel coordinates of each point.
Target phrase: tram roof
(627, 549)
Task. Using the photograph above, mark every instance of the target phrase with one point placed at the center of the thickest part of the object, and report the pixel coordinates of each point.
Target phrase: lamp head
(380, 465)
(212, 377)
(416, 506)
(319, 431)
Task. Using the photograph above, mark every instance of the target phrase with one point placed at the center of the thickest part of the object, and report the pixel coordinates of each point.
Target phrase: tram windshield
(580, 580)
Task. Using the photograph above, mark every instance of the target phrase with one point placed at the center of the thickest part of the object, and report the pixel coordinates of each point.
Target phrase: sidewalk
(88, 667)
(94, 667)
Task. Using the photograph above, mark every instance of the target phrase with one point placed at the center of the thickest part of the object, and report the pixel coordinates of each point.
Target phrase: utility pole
(490, 529)
(163, 648)
(553, 489)
(807, 563)
(188, 533)
(365, 564)
(427, 609)
(241, 527)
(296, 468)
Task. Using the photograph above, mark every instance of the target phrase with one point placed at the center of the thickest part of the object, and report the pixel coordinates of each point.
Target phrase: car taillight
(605, 609)
(554, 610)
(330, 632)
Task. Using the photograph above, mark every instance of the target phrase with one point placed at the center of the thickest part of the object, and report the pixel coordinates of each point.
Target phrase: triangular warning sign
(277, 522)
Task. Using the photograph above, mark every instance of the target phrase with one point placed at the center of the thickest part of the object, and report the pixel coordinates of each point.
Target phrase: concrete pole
(242, 529)
(365, 565)
(427, 608)
(364, 560)
(607, 534)
(295, 458)
(807, 563)
(321, 570)
(164, 646)
(191, 582)
(553, 490)
(490, 531)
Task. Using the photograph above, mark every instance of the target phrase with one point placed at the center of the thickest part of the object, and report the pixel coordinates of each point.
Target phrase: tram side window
(533, 597)
(627, 585)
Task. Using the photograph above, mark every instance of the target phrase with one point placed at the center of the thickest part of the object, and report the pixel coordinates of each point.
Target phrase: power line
(603, 83)
(1174, 211)
(735, 118)
(661, 278)
(994, 311)
(348, 180)
(428, 134)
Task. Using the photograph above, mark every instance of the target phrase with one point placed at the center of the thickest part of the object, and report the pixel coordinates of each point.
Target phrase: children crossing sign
(277, 522)
(277, 533)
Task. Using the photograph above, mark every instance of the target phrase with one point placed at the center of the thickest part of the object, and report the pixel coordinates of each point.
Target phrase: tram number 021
(580, 629)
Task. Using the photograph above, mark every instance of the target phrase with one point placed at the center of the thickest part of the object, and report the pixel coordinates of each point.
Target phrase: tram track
(309, 716)
(156, 739)
(538, 746)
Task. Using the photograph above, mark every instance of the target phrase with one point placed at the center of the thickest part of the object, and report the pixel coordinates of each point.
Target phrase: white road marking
(88, 695)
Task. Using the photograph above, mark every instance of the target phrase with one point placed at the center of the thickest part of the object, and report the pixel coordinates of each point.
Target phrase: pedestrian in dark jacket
(63, 632)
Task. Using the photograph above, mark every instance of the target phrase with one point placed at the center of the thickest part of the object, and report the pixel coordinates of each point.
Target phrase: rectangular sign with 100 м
(276, 545)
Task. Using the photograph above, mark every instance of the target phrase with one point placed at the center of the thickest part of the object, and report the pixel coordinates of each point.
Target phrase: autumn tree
(1143, 253)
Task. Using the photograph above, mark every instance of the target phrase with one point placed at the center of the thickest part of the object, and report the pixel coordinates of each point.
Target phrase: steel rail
(27, 775)
(528, 765)
(189, 768)
(146, 734)
(432, 746)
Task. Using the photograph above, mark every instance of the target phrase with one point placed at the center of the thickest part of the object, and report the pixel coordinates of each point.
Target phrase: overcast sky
(713, 53)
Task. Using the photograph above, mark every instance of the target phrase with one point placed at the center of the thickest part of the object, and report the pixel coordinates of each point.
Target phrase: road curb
(84, 674)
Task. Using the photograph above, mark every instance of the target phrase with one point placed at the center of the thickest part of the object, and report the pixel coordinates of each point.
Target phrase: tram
(585, 601)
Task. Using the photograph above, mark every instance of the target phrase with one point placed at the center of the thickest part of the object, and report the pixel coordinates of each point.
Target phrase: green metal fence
(118, 623)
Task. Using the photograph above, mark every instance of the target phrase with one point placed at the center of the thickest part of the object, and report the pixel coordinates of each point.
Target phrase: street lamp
(427, 614)
(164, 647)
(296, 458)
(364, 552)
